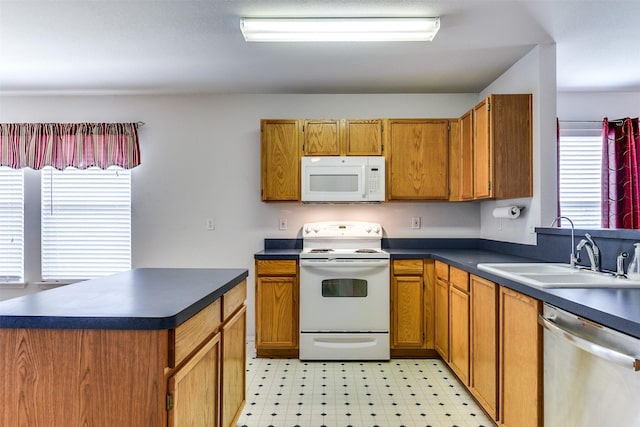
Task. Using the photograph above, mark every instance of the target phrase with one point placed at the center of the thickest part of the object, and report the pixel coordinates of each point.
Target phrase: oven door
(338, 295)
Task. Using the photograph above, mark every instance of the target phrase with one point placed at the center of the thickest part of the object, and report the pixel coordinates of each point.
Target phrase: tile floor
(402, 392)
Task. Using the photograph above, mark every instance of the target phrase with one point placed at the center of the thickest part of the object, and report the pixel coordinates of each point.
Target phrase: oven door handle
(329, 263)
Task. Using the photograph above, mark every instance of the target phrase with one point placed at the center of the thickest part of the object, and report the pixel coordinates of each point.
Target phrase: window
(86, 222)
(11, 225)
(580, 162)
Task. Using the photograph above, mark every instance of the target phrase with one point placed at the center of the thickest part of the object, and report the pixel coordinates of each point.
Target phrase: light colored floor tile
(409, 393)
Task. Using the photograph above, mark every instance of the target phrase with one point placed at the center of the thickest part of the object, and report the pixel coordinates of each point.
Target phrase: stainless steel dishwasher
(591, 373)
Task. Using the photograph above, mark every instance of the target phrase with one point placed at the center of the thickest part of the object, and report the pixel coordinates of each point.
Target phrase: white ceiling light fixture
(338, 29)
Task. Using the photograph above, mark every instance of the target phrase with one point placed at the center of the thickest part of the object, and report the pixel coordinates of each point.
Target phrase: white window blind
(86, 222)
(580, 163)
(11, 225)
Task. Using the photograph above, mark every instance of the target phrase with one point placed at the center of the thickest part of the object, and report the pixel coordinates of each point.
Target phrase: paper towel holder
(508, 212)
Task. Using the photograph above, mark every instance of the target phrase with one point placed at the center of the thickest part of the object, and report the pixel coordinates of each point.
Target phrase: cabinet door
(442, 318)
(512, 144)
(484, 343)
(408, 324)
(277, 313)
(363, 137)
(280, 148)
(194, 389)
(520, 360)
(321, 137)
(417, 159)
(454, 161)
(466, 156)
(482, 151)
(234, 337)
(459, 333)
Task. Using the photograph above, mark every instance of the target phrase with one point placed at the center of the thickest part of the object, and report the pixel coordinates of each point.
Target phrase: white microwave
(343, 179)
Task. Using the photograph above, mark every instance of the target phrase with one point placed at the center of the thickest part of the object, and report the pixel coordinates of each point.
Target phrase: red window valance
(81, 145)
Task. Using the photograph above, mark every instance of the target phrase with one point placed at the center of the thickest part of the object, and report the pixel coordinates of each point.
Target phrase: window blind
(580, 163)
(86, 222)
(11, 225)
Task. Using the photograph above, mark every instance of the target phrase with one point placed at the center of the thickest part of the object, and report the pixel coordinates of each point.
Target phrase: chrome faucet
(572, 259)
(592, 251)
(620, 264)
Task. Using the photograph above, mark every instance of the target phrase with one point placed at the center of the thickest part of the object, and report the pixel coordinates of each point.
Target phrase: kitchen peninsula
(146, 347)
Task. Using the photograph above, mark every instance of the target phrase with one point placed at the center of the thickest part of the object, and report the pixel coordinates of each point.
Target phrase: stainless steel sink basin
(553, 275)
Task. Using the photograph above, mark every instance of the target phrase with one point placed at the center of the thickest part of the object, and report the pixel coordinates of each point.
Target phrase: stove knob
(368, 229)
(307, 230)
(377, 230)
(316, 229)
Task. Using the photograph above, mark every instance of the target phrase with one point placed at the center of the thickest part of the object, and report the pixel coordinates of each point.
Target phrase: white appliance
(344, 292)
(591, 373)
(343, 179)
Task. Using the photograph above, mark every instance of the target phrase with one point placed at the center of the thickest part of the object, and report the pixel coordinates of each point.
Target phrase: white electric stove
(344, 292)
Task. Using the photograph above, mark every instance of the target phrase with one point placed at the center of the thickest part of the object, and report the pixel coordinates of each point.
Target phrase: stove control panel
(349, 229)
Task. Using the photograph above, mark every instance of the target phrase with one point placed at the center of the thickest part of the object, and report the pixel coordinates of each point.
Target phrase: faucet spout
(592, 251)
(572, 258)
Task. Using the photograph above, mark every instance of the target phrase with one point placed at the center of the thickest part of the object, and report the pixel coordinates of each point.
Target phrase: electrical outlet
(282, 225)
(415, 222)
(211, 224)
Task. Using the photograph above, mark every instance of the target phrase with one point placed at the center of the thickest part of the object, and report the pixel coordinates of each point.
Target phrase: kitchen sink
(555, 275)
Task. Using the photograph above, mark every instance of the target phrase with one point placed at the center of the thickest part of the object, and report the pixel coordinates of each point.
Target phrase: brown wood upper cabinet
(417, 159)
(321, 137)
(280, 151)
(344, 137)
(496, 149)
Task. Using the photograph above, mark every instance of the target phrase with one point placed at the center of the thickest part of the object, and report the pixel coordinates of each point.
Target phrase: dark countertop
(615, 308)
(278, 254)
(142, 298)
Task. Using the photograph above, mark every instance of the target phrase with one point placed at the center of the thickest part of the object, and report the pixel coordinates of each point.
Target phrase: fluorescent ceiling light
(338, 29)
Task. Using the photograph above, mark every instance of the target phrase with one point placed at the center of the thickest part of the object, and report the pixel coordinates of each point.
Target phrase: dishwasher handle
(596, 349)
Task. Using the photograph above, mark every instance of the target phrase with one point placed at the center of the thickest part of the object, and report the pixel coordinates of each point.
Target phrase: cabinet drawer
(276, 267)
(459, 278)
(442, 270)
(233, 299)
(187, 337)
(407, 267)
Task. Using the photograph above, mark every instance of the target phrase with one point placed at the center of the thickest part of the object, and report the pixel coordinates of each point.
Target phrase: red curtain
(620, 174)
(81, 145)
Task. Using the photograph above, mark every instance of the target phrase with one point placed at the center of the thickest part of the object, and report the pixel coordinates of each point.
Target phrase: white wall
(598, 105)
(200, 159)
(535, 73)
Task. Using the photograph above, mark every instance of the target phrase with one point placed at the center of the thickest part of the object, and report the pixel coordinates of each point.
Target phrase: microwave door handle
(364, 182)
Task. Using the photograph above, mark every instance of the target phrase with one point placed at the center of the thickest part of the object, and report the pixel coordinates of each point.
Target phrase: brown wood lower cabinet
(520, 360)
(442, 309)
(277, 308)
(206, 386)
(484, 343)
(412, 294)
(459, 323)
(192, 375)
(195, 388)
(495, 345)
(234, 364)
